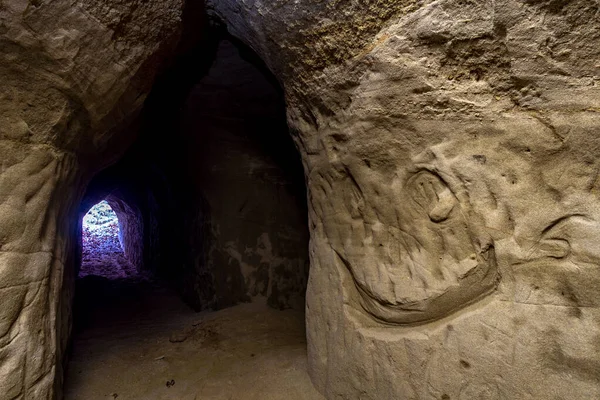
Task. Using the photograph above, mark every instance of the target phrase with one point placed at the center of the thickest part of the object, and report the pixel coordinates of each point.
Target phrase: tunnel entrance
(102, 248)
(212, 215)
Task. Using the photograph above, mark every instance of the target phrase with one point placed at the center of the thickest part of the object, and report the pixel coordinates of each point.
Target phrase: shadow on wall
(250, 230)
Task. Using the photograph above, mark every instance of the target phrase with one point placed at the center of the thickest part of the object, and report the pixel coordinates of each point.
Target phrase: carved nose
(433, 195)
(443, 206)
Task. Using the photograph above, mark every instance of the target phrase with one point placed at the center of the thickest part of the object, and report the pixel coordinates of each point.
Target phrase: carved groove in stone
(450, 279)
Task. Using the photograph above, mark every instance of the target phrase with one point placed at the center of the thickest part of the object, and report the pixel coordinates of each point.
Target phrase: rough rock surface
(71, 73)
(451, 153)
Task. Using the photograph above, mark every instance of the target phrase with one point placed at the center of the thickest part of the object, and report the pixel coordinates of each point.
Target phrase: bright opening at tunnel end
(103, 253)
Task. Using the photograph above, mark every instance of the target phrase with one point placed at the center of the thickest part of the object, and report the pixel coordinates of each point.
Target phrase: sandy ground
(136, 340)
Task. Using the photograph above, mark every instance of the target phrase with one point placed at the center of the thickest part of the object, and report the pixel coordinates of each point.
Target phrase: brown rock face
(71, 74)
(450, 151)
(452, 173)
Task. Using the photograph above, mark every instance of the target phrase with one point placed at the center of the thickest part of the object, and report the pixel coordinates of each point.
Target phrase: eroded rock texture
(451, 154)
(71, 74)
(32, 258)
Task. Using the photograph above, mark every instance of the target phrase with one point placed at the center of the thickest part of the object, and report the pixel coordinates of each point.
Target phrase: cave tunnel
(206, 264)
(443, 156)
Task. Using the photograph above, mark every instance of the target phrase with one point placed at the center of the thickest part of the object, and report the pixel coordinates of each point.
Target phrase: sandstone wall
(450, 149)
(450, 153)
(71, 75)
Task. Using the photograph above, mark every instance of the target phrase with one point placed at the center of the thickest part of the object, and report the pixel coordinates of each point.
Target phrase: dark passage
(209, 214)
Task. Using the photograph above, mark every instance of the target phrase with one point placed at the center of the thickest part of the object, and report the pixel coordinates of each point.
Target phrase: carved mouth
(479, 282)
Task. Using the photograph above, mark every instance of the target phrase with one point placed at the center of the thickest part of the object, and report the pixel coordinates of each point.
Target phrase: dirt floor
(135, 339)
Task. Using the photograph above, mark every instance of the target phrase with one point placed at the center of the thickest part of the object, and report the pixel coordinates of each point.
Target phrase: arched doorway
(102, 244)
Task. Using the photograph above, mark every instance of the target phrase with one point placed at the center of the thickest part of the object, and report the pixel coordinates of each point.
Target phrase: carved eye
(432, 194)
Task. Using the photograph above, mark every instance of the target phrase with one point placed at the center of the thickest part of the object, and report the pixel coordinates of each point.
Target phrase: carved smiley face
(445, 262)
